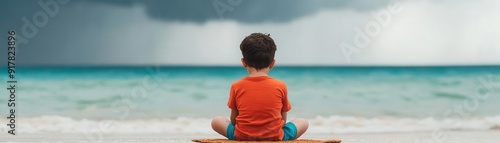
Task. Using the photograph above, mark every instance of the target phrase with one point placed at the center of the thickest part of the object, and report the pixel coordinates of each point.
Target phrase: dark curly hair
(258, 50)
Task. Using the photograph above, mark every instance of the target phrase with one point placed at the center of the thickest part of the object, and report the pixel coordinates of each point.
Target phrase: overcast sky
(208, 32)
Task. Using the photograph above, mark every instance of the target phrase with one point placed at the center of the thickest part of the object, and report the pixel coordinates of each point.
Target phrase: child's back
(260, 101)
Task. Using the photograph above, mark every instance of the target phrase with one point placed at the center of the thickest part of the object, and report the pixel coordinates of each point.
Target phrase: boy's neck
(252, 72)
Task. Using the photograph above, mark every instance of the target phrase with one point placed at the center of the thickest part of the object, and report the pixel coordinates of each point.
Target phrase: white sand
(423, 137)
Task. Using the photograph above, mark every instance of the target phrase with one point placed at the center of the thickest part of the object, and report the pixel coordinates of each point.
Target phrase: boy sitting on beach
(258, 102)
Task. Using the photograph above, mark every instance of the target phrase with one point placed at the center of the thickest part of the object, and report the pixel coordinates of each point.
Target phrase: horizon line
(169, 65)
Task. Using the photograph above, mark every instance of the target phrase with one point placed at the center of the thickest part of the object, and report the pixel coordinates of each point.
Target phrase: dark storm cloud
(67, 39)
(249, 11)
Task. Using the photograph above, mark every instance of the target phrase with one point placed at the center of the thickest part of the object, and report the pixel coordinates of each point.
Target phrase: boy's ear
(243, 62)
(272, 64)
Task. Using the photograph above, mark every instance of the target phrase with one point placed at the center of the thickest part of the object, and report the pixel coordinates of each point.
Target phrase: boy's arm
(283, 116)
(234, 114)
(286, 104)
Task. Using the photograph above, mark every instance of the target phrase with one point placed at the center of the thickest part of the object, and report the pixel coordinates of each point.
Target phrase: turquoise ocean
(182, 99)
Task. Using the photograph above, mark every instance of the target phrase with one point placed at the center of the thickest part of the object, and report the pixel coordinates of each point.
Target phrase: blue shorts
(290, 131)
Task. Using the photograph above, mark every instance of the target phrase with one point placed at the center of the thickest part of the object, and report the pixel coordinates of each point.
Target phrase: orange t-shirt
(259, 101)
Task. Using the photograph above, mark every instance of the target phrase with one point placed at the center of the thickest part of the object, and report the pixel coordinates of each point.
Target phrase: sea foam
(183, 125)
